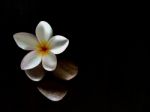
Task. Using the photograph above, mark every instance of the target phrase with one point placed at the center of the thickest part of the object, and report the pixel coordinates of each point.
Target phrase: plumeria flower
(43, 47)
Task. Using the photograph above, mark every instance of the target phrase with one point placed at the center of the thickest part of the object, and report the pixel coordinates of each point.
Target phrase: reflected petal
(36, 74)
(66, 70)
(52, 90)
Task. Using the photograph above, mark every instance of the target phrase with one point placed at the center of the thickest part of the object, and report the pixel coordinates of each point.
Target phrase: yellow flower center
(43, 48)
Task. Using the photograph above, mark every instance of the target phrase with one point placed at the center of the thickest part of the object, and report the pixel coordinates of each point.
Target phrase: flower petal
(52, 90)
(43, 31)
(49, 62)
(25, 41)
(36, 74)
(59, 44)
(30, 61)
(66, 70)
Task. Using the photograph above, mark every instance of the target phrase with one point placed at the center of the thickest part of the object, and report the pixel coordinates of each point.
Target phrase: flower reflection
(53, 86)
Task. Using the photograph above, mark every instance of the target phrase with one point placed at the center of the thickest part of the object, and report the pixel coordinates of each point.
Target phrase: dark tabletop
(108, 43)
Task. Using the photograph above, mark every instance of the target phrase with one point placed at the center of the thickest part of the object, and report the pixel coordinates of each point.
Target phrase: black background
(106, 41)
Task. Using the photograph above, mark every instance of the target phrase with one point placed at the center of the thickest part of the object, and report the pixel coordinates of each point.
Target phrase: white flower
(43, 48)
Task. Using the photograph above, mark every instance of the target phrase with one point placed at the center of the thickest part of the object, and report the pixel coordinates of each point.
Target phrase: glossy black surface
(107, 43)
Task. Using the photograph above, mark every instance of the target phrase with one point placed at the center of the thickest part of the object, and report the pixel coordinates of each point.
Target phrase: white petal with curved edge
(59, 44)
(25, 41)
(36, 74)
(30, 61)
(49, 62)
(43, 31)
